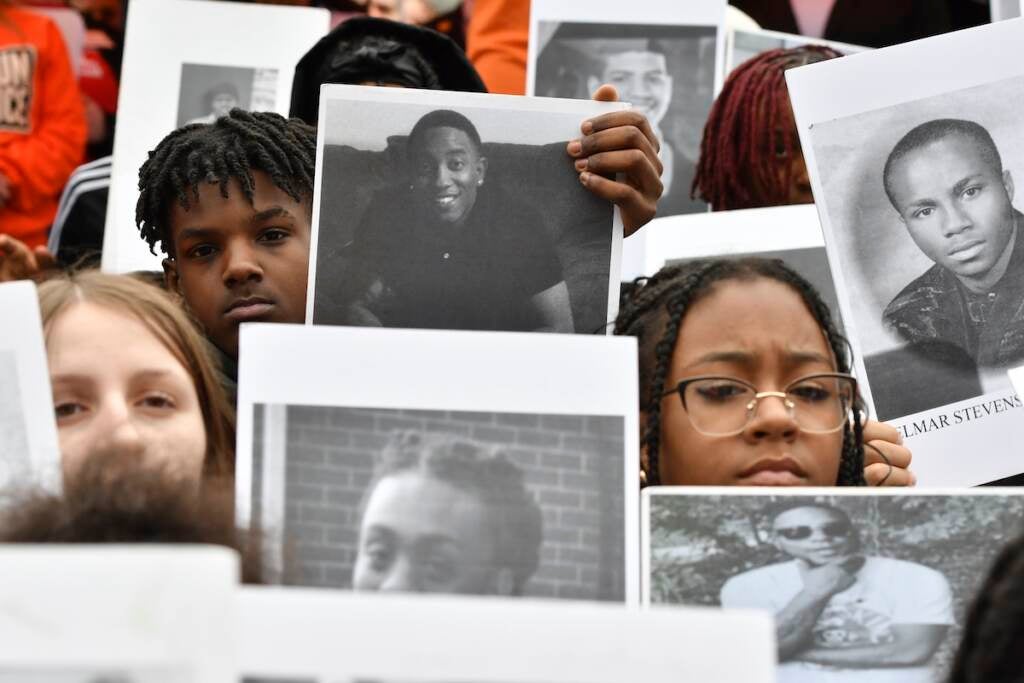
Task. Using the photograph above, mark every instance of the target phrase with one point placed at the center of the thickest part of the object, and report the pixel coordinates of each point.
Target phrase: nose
(442, 177)
(401, 576)
(956, 221)
(772, 421)
(241, 265)
(117, 431)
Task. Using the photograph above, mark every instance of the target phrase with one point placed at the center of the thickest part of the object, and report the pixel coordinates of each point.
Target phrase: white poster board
(310, 451)
(485, 248)
(946, 399)
(150, 614)
(907, 565)
(744, 44)
(664, 58)
(178, 56)
(29, 451)
(299, 634)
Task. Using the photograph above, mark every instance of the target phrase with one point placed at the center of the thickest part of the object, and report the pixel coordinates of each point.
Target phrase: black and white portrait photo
(456, 217)
(476, 503)
(209, 91)
(923, 209)
(666, 72)
(14, 449)
(864, 588)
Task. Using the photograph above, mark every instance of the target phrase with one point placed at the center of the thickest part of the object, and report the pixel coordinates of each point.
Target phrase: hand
(621, 142)
(18, 262)
(886, 459)
(828, 579)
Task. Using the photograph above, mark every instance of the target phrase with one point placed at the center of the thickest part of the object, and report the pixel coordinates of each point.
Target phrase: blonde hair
(167, 320)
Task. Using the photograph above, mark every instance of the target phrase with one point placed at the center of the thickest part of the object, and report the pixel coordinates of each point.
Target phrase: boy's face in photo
(447, 171)
(642, 79)
(238, 262)
(421, 534)
(955, 204)
(814, 535)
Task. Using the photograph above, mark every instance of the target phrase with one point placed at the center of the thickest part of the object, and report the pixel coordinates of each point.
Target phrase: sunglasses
(801, 533)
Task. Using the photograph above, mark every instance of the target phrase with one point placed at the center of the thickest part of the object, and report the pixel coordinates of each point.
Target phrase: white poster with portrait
(868, 585)
(913, 151)
(790, 233)
(105, 613)
(29, 451)
(744, 44)
(663, 57)
(187, 61)
(452, 462)
(344, 638)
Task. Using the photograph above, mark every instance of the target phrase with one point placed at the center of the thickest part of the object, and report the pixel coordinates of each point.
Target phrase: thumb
(605, 93)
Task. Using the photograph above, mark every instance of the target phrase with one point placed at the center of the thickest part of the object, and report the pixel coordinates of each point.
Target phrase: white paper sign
(297, 634)
(897, 569)
(328, 414)
(29, 451)
(152, 614)
(744, 44)
(941, 380)
(663, 57)
(184, 61)
(503, 238)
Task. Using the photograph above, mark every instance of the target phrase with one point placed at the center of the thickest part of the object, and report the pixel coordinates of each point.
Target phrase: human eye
(971, 192)
(200, 251)
(811, 391)
(379, 554)
(158, 401)
(720, 391)
(273, 235)
(438, 568)
(456, 164)
(924, 212)
(66, 410)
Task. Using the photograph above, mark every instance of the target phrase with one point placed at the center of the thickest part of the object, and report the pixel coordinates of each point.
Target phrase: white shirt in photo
(886, 592)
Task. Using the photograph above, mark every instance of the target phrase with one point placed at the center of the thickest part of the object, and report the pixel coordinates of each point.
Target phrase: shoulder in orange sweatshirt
(42, 122)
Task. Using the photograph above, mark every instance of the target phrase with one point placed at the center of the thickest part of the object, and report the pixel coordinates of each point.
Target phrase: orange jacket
(496, 40)
(42, 122)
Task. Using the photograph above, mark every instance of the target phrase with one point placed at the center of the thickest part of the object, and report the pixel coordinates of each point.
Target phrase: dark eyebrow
(746, 358)
(196, 233)
(963, 184)
(272, 212)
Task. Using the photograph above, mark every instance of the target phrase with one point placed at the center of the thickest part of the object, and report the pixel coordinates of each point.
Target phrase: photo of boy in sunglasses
(842, 615)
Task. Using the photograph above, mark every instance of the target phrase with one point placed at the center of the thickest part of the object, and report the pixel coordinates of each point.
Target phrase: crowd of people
(745, 378)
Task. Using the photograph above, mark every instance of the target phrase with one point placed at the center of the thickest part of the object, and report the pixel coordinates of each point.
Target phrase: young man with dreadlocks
(744, 380)
(750, 155)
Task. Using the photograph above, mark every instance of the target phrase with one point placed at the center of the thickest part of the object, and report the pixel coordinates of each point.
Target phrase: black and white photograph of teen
(457, 218)
(921, 203)
(667, 72)
(210, 91)
(14, 453)
(863, 588)
(446, 502)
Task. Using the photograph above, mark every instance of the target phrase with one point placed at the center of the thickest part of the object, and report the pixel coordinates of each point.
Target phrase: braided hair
(993, 637)
(653, 310)
(739, 136)
(234, 146)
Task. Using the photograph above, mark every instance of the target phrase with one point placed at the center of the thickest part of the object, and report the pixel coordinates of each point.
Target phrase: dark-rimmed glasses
(832, 530)
(724, 406)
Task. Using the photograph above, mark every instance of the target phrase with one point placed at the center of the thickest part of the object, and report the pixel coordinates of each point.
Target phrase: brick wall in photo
(573, 466)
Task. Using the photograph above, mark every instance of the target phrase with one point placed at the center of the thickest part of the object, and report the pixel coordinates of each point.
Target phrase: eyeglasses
(802, 533)
(724, 406)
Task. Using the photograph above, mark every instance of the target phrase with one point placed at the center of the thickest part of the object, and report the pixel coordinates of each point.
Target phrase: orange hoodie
(42, 122)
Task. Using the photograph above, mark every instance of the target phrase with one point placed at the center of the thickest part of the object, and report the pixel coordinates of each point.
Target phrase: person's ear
(1008, 184)
(172, 282)
(481, 169)
(505, 583)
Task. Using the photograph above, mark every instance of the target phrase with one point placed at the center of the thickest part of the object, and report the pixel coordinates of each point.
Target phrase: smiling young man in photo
(946, 180)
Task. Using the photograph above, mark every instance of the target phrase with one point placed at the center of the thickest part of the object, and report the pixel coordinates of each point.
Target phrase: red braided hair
(739, 138)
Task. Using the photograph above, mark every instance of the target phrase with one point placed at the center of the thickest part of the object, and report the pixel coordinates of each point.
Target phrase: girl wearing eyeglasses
(744, 381)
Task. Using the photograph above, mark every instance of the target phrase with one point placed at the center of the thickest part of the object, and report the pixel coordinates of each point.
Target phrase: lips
(249, 309)
(783, 471)
(966, 250)
(445, 201)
